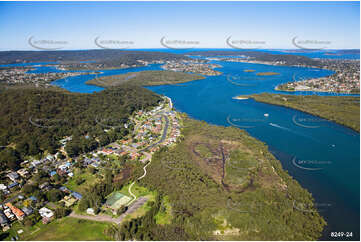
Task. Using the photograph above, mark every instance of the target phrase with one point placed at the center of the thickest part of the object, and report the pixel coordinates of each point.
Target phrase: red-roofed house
(18, 213)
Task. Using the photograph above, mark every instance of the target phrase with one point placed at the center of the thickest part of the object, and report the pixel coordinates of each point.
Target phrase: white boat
(266, 114)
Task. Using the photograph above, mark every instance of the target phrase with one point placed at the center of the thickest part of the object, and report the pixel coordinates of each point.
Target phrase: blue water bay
(322, 156)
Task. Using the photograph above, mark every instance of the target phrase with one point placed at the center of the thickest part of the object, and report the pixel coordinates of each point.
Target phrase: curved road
(107, 218)
(131, 185)
(164, 136)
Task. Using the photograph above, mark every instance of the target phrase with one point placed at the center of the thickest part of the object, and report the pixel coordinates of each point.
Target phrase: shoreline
(277, 160)
(101, 82)
(312, 90)
(241, 97)
(305, 111)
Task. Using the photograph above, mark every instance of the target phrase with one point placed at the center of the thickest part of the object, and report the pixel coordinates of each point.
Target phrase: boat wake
(280, 127)
(291, 131)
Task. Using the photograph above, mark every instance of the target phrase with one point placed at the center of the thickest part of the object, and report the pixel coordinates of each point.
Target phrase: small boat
(266, 114)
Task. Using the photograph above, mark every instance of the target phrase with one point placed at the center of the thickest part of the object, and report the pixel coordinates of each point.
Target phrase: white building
(45, 212)
(90, 211)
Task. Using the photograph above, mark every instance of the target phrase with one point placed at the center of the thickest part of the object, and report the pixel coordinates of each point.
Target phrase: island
(145, 78)
(344, 110)
(197, 66)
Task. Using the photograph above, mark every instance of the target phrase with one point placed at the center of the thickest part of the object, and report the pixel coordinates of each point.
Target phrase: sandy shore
(240, 97)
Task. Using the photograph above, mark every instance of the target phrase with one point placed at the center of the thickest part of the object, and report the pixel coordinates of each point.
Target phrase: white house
(45, 212)
(90, 211)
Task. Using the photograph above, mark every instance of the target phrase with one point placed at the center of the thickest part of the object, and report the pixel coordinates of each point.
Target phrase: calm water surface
(322, 156)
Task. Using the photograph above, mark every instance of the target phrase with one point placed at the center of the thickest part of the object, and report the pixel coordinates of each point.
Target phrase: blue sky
(274, 24)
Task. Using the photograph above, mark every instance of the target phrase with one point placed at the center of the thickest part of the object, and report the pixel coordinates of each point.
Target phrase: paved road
(164, 135)
(147, 157)
(130, 192)
(131, 185)
(138, 203)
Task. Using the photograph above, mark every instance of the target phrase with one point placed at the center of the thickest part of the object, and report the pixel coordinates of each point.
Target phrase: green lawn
(27, 230)
(89, 178)
(140, 211)
(139, 192)
(136, 189)
(70, 229)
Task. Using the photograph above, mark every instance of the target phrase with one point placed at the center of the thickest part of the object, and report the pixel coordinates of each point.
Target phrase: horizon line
(189, 49)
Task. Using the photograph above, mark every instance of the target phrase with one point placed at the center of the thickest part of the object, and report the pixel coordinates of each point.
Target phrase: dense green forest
(344, 110)
(34, 120)
(145, 78)
(222, 184)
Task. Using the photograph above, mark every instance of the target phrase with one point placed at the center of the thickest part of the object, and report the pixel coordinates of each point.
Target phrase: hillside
(222, 184)
(34, 120)
(108, 57)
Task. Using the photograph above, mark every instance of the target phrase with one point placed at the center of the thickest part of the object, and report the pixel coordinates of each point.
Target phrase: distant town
(196, 67)
(346, 79)
(247, 59)
(19, 76)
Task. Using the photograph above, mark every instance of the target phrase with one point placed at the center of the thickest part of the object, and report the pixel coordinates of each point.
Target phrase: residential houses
(150, 129)
(16, 211)
(46, 214)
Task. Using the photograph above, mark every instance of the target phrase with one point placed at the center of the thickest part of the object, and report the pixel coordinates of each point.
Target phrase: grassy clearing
(237, 168)
(16, 226)
(136, 189)
(164, 216)
(63, 229)
(142, 210)
(89, 179)
(204, 151)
